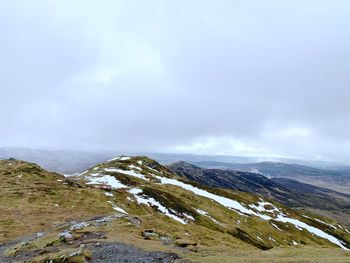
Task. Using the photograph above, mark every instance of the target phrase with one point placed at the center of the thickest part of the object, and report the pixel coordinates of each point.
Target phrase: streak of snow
(131, 173)
(311, 229)
(189, 217)
(270, 238)
(118, 209)
(119, 158)
(320, 221)
(79, 174)
(131, 167)
(108, 194)
(232, 204)
(229, 203)
(152, 169)
(202, 212)
(276, 227)
(205, 213)
(152, 202)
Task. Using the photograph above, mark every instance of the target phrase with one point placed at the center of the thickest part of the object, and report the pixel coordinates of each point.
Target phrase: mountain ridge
(143, 203)
(334, 205)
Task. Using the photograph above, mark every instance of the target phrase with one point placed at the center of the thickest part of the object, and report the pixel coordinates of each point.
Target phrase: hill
(138, 203)
(337, 180)
(293, 194)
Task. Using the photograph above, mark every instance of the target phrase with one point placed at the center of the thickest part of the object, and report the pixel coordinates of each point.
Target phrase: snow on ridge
(235, 205)
(150, 201)
(103, 179)
(229, 203)
(119, 158)
(127, 172)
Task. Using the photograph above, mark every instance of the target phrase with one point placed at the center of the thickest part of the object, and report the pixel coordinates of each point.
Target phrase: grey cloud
(229, 77)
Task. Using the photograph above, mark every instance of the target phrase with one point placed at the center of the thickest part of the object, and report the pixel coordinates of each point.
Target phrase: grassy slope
(184, 201)
(29, 196)
(33, 199)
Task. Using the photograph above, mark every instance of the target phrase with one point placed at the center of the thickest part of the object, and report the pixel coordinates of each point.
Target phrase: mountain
(337, 180)
(288, 192)
(307, 188)
(72, 161)
(134, 209)
(66, 162)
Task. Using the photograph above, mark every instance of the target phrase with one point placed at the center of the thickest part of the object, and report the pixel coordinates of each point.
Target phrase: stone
(67, 236)
(40, 234)
(78, 226)
(184, 242)
(192, 248)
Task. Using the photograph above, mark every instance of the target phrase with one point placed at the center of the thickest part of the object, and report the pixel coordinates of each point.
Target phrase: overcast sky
(240, 77)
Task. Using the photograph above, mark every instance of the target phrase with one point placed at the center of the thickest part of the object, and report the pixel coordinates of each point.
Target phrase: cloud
(232, 77)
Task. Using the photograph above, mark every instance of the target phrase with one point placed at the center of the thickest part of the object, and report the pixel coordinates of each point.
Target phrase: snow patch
(118, 209)
(236, 206)
(102, 179)
(119, 158)
(276, 226)
(311, 229)
(150, 201)
(131, 173)
(205, 213)
(320, 221)
(229, 203)
(133, 167)
(261, 207)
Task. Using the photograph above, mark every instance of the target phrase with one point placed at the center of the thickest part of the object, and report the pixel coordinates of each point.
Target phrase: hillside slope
(297, 195)
(337, 180)
(137, 201)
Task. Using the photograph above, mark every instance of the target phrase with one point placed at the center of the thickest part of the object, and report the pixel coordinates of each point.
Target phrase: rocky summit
(132, 209)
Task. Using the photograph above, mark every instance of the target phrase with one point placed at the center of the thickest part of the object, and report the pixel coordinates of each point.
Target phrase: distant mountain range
(69, 161)
(66, 162)
(338, 180)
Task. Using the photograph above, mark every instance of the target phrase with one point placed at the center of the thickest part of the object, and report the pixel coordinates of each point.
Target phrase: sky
(236, 77)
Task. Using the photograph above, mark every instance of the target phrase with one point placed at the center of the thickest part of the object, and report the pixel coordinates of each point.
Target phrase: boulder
(185, 242)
